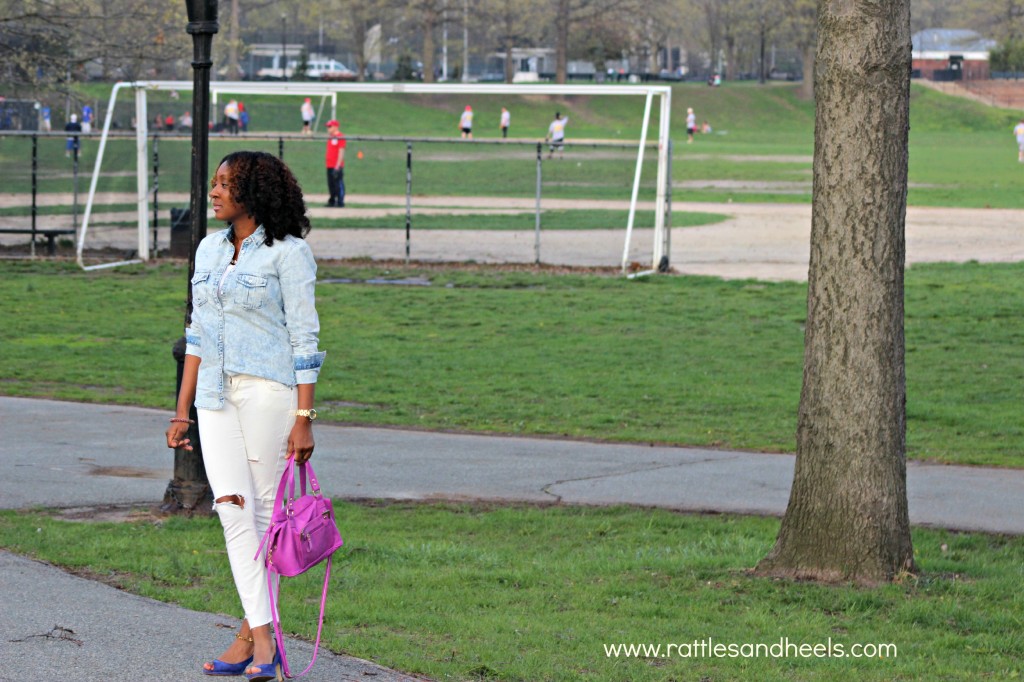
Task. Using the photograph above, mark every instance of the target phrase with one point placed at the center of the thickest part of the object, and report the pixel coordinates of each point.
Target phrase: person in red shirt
(335, 164)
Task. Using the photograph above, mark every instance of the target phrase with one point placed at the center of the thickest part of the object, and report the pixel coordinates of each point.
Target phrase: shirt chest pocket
(200, 288)
(251, 291)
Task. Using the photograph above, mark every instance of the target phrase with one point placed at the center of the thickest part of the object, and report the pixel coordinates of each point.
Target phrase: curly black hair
(270, 193)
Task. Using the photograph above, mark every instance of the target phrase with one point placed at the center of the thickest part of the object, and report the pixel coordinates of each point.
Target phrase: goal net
(416, 188)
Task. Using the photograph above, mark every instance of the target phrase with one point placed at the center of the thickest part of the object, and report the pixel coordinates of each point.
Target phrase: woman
(251, 366)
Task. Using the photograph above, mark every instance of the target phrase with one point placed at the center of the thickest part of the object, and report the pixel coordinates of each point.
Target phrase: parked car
(329, 70)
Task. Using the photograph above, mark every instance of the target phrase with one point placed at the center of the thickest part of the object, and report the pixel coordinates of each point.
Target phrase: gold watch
(310, 413)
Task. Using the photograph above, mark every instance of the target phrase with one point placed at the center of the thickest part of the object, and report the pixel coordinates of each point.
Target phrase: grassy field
(523, 219)
(961, 152)
(537, 594)
(519, 593)
(680, 360)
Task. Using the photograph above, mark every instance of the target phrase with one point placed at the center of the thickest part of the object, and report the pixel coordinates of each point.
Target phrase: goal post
(330, 91)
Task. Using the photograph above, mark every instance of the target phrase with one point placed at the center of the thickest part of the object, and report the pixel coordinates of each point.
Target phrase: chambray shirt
(263, 321)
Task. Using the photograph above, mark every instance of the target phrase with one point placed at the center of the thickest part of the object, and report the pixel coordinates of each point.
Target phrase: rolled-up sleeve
(298, 291)
(193, 342)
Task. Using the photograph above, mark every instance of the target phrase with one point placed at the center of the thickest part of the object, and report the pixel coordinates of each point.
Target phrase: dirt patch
(126, 472)
(435, 266)
(112, 513)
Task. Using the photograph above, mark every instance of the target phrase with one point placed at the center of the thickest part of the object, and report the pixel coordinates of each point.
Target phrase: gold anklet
(244, 639)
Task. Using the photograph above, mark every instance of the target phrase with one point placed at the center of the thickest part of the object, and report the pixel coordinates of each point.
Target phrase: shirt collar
(259, 236)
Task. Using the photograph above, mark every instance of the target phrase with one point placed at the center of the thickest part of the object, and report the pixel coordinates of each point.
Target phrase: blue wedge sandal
(222, 669)
(267, 671)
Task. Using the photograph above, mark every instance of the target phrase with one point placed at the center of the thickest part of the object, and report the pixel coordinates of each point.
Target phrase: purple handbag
(302, 533)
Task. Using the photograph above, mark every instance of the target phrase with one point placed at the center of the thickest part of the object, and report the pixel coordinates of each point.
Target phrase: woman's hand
(300, 440)
(177, 436)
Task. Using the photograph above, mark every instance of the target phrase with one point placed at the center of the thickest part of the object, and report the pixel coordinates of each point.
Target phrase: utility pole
(444, 42)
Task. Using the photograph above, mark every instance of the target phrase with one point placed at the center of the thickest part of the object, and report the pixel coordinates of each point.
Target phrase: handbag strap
(287, 483)
(281, 502)
(277, 624)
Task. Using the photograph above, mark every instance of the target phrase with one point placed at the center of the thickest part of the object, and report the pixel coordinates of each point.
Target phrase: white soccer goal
(328, 92)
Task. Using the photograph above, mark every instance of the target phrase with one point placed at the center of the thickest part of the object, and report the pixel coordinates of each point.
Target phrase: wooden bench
(51, 235)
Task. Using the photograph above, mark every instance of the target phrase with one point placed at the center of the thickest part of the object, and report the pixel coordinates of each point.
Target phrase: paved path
(93, 456)
(762, 241)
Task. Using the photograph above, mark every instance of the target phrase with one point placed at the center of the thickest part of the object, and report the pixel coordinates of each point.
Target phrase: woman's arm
(298, 289)
(300, 440)
(178, 431)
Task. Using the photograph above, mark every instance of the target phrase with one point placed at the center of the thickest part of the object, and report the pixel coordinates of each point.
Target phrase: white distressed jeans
(244, 454)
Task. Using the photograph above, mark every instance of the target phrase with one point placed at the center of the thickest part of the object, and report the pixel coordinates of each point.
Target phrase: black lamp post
(189, 490)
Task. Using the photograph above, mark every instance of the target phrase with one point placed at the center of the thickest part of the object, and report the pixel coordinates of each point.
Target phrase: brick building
(949, 54)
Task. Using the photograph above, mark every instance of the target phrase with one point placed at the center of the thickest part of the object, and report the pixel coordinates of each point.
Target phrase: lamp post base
(188, 492)
(189, 498)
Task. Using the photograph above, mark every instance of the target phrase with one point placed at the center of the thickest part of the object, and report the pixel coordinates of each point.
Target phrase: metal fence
(46, 176)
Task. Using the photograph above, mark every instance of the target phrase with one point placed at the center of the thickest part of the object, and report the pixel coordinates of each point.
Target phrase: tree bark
(806, 89)
(431, 18)
(847, 517)
(562, 20)
(510, 66)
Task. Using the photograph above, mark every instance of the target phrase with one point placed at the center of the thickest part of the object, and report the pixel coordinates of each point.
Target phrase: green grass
(680, 360)
(24, 211)
(582, 219)
(550, 220)
(962, 153)
(525, 594)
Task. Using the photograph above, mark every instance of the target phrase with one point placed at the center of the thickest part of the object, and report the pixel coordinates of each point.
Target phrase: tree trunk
(730, 57)
(847, 516)
(430, 22)
(510, 66)
(806, 89)
(359, 38)
(234, 68)
(562, 41)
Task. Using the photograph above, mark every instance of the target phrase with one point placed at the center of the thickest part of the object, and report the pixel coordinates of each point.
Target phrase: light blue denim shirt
(262, 321)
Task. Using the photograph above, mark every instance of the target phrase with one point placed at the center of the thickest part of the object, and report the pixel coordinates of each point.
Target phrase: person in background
(243, 117)
(44, 113)
(1018, 131)
(250, 368)
(73, 126)
(185, 121)
(556, 134)
(691, 125)
(169, 123)
(466, 123)
(87, 119)
(335, 160)
(506, 120)
(307, 117)
(231, 116)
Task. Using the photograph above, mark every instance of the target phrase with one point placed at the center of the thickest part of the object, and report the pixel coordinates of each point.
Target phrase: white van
(327, 70)
(316, 69)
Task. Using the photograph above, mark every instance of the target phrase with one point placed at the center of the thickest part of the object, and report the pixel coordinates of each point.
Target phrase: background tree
(351, 22)
(764, 17)
(46, 46)
(932, 14)
(801, 28)
(427, 15)
(847, 517)
(513, 23)
(650, 28)
(568, 14)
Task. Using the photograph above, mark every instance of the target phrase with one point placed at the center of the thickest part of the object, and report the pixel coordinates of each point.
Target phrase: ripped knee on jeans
(236, 500)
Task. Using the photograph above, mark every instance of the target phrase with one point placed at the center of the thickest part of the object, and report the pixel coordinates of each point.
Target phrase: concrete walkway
(78, 455)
